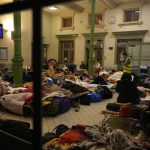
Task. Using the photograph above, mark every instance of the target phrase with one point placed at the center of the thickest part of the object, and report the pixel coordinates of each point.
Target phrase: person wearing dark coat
(127, 90)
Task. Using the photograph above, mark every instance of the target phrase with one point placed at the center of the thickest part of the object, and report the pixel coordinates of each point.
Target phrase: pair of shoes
(77, 108)
(141, 136)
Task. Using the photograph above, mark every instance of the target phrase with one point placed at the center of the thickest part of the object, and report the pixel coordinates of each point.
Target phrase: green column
(17, 60)
(91, 50)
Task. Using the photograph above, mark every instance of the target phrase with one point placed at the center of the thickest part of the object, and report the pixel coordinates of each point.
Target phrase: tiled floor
(88, 115)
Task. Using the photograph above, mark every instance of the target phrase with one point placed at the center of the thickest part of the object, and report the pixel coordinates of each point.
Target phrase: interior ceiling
(84, 5)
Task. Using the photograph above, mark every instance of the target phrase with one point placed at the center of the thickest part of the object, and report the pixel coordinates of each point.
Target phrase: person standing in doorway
(122, 57)
(127, 65)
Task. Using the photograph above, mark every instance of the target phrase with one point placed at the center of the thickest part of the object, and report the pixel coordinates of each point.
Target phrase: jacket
(127, 65)
(128, 92)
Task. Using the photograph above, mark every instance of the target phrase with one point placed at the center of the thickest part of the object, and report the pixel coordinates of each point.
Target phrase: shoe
(141, 136)
(77, 109)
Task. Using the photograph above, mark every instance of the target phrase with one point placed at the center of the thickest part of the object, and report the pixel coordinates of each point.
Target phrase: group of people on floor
(129, 92)
(127, 88)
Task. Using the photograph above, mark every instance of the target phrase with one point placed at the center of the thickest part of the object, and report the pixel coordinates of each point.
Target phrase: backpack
(95, 97)
(85, 99)
(47, 137)
(60, 129)
(17, 128)
(113, 107)
(64, 104)
(51, 108)
(106, 92)
(56, 132)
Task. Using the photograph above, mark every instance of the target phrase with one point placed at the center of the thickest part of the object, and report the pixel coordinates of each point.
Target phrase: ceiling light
(53, 8)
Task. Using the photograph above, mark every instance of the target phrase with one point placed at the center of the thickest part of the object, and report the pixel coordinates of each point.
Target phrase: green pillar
(91, 50)
(17, 60)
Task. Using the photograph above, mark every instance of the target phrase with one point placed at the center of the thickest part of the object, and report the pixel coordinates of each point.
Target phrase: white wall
(26, 35)
(47, 31)
(81, 26)
(6, 20)
(53, 50)
(52, 25)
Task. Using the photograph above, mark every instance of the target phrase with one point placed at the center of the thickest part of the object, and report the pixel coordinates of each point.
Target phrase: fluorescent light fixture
(53, 8)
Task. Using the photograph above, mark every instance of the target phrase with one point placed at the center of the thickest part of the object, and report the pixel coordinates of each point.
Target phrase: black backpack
(57, 131)
(51, 109)
(106, 92)
(60, 129)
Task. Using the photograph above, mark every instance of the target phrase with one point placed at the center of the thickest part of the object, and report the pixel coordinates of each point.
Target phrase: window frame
(3, 53)
(67, 28)
(35, 6)
(139, 22)
(69, 50)
(65, 19)
(101, 24)
(131, 9)
(66, 37)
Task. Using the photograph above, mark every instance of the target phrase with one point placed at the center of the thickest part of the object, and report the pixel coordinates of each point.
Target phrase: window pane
(66, 51)
(128, 16)
(131, 15)
(67, 44)
(136, 15)
(66, 56)
(66, 22)
(71, 56)
(98, 19)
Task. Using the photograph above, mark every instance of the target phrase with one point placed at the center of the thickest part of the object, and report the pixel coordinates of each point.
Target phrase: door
(98, 51)
(131, 46)
(66, 51)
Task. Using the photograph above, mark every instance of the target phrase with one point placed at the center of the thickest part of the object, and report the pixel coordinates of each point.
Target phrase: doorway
(131, 46)
(98, 51)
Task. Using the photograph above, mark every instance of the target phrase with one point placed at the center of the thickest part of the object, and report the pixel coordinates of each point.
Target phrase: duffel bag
(64, 104)
(95, 97)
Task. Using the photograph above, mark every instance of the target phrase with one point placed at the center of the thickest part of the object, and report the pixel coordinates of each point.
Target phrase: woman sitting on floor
(127, 90)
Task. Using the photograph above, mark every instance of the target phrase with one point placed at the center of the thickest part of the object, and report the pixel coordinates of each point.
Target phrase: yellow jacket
(127, 65)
